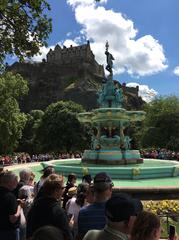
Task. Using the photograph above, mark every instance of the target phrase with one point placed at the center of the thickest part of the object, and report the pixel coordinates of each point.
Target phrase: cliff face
(68, 74)
(50, 83)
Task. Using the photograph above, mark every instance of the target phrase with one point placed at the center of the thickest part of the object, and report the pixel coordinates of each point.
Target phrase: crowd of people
(20, 158)
(160, 153)
(49, 209)
(6, 160)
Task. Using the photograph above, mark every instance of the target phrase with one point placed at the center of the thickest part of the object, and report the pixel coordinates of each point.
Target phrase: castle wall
(71, 55)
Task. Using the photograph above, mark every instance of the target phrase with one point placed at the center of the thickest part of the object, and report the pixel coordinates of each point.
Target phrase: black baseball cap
(102, 181)
(102, 177)
(120, 208)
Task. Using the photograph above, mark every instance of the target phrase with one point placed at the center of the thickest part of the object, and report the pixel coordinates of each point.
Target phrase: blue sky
(143, 36)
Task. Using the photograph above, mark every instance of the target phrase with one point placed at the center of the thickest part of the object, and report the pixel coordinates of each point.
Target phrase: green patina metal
(109, 143)
(150, 169)
(118, 182)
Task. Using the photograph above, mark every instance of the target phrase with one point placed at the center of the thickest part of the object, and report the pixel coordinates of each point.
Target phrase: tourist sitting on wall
(46, 210)
(93, 216)
(121, 213)
(146, 227)
(70, 183)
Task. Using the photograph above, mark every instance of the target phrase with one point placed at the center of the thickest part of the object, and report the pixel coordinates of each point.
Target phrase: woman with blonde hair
(146, 227)
(46, 209)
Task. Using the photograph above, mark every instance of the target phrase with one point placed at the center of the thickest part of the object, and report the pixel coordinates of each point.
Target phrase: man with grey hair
(120, 211)
(24, 176)
(10, 208)
(93, 216)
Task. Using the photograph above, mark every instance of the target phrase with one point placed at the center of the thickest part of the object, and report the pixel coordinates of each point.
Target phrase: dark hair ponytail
(81, 194)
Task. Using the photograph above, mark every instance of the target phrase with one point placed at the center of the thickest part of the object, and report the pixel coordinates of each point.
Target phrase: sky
(143, 37)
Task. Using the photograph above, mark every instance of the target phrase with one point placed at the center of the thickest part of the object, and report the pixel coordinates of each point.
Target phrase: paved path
(21, 166)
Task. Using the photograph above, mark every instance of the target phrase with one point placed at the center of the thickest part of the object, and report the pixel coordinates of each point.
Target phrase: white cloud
(68, 42)
(43, 53)
(137, 56)
(75, 3)
(69, 34)
(146, 93)
(176, 71)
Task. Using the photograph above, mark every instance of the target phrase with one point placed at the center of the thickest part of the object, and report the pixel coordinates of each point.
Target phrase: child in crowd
(70, 183)
(74, 205)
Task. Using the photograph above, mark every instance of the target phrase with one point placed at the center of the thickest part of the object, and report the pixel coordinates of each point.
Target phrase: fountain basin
(110, 115)
(150, 169)
(112, 157)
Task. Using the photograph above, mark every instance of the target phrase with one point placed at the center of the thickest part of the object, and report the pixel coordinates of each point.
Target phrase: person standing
(70, 183)
(146, 227)
(74, 205)
(93, 216)
(120, 212)
(10, 208)
(46, 209)
(24, 176)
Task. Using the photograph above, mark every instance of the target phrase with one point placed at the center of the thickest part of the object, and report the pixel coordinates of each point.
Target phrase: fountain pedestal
(112, 157)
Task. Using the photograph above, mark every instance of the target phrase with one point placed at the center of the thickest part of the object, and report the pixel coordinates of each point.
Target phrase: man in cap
(120, 212)
(93, 216)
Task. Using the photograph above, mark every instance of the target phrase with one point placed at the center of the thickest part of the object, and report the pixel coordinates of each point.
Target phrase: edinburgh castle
(67, 74)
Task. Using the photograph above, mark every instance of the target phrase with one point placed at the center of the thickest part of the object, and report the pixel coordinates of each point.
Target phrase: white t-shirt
(73, 208)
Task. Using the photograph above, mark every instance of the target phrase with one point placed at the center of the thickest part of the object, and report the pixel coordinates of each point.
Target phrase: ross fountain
(109, 143)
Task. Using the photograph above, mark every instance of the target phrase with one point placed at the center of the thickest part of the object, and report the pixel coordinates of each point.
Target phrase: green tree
(24, 27)
(12, 121)
(28, 141)
(161, 126)
(60, 130)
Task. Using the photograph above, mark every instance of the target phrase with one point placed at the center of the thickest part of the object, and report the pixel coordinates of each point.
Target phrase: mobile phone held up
(172, 231)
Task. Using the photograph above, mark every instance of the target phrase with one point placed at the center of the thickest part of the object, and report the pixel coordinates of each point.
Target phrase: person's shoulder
(6, 194)
(72, 200)
(58, 209)
(85, 208)
(90, 208)
(3, 190)
(92, 234)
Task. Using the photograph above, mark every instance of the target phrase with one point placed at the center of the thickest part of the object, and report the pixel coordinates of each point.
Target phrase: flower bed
(168, 211)
(163, 207)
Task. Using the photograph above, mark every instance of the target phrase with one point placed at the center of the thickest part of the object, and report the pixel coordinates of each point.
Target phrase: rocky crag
(67, 74)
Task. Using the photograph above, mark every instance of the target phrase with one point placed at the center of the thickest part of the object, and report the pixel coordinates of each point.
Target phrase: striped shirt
(91, 217)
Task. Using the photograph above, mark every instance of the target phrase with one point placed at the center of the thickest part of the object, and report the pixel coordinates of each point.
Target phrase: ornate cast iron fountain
(109, 144)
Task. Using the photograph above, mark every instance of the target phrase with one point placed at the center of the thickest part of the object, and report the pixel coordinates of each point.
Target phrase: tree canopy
(24, 27)
(28, 141)
(12, 121)
(60, 130)
(161, 126)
